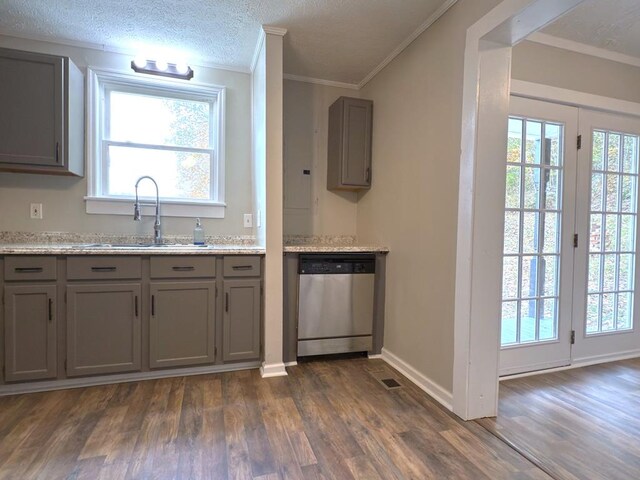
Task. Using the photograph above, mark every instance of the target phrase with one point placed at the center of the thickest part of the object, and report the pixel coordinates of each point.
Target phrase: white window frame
(96, 202)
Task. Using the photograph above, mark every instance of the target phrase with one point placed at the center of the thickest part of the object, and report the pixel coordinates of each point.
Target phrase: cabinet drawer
(242, 266)
(181, 266)
(29, 268)
(103, 267)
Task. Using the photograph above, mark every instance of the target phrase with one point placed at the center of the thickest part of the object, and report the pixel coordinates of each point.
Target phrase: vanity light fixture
(162, 68)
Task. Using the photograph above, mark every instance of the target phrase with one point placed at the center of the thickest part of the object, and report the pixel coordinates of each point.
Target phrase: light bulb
(182, 68)
(161, 65)
(140, 62)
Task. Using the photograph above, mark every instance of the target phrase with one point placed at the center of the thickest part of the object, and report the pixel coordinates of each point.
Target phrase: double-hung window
(170, 131)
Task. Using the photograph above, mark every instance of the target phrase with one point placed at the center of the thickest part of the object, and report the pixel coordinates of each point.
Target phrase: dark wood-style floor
(578, 424)
(327, 419)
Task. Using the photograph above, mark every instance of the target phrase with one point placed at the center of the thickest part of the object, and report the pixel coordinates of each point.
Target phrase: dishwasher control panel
(336, 264)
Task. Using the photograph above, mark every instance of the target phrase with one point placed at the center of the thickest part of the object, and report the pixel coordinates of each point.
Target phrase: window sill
(168, 208)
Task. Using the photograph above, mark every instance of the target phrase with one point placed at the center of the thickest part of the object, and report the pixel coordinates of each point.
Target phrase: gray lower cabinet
(241, 323)
(30, 332)
(103, 328)
(181, 327)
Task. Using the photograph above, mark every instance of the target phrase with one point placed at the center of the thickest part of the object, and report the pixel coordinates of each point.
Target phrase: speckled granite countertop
(55, 249)
(328, 244)
(66, 243)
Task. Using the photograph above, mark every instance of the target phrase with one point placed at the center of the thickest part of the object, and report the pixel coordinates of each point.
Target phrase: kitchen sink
(125, 246)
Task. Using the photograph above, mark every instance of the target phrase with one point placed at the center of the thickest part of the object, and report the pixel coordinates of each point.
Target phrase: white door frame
(485, 110)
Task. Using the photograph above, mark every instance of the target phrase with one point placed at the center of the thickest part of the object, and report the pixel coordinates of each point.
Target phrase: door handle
(367, 175)
(136, 305)
(153, 305)
(50, 310)
(226, 302)
(57, 152)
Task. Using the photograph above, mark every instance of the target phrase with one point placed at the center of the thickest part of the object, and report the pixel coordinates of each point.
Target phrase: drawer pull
(28, 269)
(190, 268)
(103, 269)
(136, 305)
(242, 267)
(50, 310)
(153, 305)
(226, 302)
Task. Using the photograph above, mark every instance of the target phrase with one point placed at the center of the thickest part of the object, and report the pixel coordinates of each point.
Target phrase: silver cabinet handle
(243, 267)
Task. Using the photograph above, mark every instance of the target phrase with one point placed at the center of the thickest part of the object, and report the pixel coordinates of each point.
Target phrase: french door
(569, 263)
(538, 247)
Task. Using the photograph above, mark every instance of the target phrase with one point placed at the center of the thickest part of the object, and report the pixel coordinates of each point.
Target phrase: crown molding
(400, 48)
(113, 49)
(563, 43)
(274, 30)
(320, 81)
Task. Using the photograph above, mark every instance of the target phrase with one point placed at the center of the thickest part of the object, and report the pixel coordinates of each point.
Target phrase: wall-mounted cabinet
(349, 147)
(42, 114)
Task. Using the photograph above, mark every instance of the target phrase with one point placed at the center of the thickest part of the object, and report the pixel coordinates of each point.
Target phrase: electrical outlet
(36, 211)
(259, 219)
(248, 220)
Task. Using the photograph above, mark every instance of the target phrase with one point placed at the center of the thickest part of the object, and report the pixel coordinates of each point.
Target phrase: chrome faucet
(157, 232)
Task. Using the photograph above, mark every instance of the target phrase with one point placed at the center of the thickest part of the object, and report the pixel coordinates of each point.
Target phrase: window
(170, 131)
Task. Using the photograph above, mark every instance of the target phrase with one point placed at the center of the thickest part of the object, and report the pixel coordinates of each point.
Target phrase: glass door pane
(612, 232)
(533, 203)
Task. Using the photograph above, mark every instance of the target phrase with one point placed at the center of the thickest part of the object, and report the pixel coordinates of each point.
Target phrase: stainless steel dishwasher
(335, 303)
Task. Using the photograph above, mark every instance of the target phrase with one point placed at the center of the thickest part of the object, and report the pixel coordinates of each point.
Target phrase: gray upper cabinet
(42, 114)
(349, 148)
(30, 332)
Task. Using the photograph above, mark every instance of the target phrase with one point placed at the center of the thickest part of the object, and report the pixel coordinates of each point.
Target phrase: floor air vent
(390, 383)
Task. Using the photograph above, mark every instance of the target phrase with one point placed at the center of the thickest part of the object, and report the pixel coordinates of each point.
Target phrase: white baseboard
(290, 364)
(273, 370)
(50, 385)
(372, 356)
(579, 363)
(442, 396)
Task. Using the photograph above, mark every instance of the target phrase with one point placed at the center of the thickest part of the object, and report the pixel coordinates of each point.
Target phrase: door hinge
(575, 240)
(579, 142)
(573, 337)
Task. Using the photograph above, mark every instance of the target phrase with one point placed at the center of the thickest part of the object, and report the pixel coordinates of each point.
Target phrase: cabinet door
(181, 328)
(31, 117)
(103, 328)
(241, 325)
(30, 332)
(356, 138)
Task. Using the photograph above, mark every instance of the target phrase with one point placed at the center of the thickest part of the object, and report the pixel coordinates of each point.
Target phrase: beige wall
(63, 197)
(309, 208)
(412, 206)
(547, 65)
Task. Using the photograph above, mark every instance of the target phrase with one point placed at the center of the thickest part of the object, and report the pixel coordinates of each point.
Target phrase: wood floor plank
(327, 420)
(579, 423)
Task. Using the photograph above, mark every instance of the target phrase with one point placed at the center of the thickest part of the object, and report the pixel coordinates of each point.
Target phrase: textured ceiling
(609, 24)
(339, 40)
